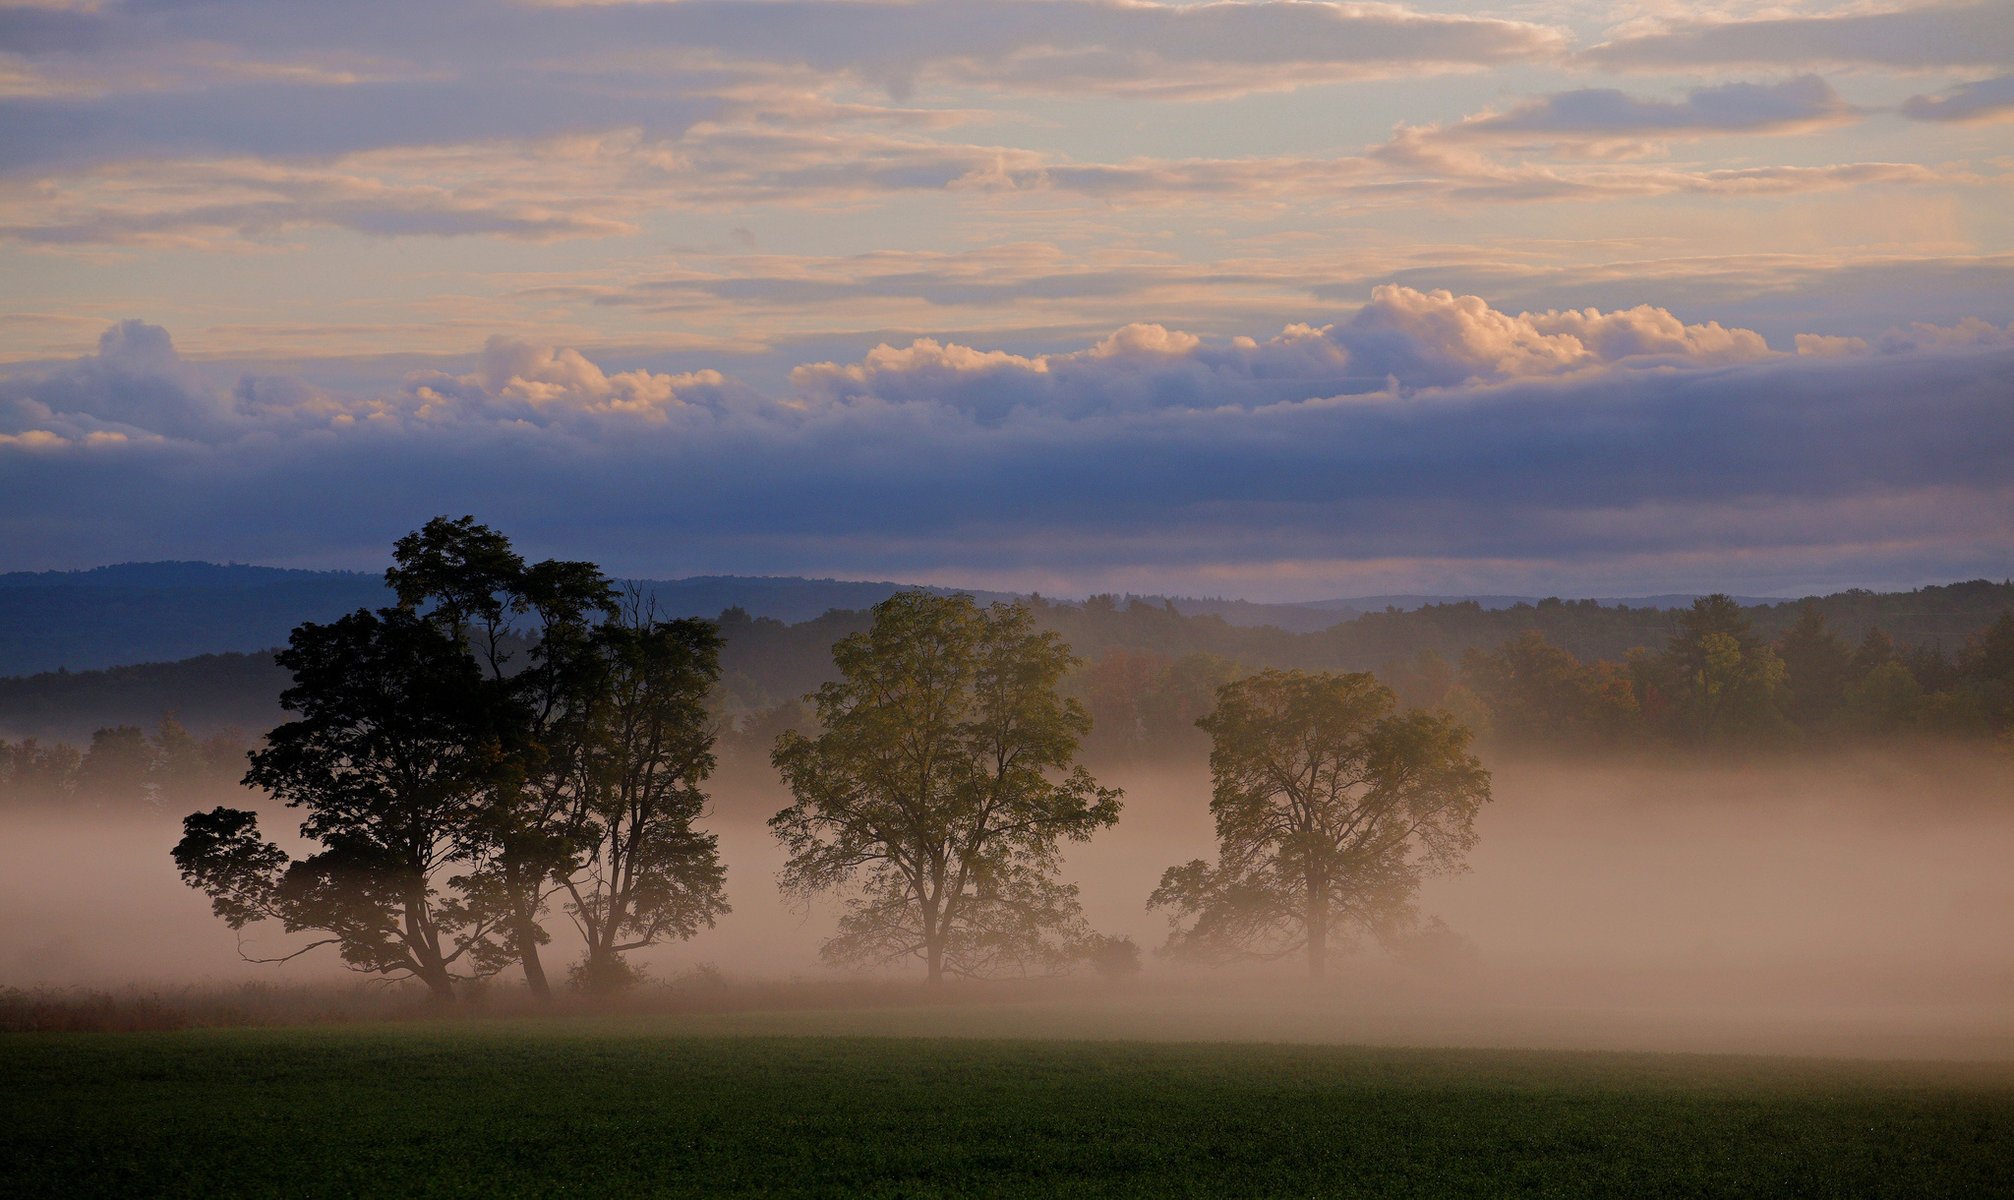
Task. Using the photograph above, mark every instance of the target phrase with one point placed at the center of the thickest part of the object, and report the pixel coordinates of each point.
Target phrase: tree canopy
(939, 789)
(506, 733)
(1331, 805)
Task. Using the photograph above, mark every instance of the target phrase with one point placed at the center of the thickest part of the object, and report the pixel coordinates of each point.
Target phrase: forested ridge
(1853, 663)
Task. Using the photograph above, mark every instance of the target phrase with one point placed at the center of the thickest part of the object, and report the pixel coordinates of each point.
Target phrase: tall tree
(117, 768)
(1726, 685)
(1331, 806)
(498, 737)
(393, 748)
(644, 871)
(529, 630)
(943, 783)
(1817, 669)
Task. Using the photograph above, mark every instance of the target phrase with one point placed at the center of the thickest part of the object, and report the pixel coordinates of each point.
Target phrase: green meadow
(708, 1105)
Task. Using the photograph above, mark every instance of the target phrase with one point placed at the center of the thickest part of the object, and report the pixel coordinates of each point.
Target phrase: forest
(1937, 662)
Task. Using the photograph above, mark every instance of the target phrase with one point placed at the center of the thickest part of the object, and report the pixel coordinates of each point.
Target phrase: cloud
(1695, 474)
(1985, 100)
(1404, 339)
(135, 384)
(1601, 114)
(609, 185)
(1042, 45)
(517, 381)
(1916, 37)
(138, 386)
(187, 205)
(1571, 441)
(284, 120)
(1436, 339)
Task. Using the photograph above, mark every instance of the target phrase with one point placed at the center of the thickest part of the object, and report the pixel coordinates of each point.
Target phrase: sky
(1282, 300)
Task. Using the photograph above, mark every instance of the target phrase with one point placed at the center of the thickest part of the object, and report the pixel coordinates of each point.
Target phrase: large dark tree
(942, 784)
(529, 629)
(500, 736)
(391, 753)
(1331, 806)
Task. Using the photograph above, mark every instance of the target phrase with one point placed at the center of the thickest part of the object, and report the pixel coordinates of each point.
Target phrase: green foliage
(1331, 806)
(1155, 670)
(939, 789)
(1536, 692)
(1817, 669)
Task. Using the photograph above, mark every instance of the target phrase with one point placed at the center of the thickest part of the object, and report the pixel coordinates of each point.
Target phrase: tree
(507, 732)
(1817, 667)
(943, 783)
(393, 747)
(1537, 692)
(645, 872)
(1725, 684)
(465, 579)
(31, 773)
(1331, 806)
(1987, 667)
(117, 767)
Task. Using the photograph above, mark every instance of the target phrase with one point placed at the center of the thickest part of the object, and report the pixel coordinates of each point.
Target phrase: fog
(1859, 906)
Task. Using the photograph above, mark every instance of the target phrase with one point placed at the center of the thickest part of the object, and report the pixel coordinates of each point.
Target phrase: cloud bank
(1426, 437)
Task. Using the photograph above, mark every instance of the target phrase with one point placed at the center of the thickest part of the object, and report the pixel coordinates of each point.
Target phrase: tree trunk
(527, 949)
(440, 985)
(934, 956)
(1318, 931)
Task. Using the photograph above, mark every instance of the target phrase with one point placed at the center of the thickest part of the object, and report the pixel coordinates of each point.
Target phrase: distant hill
(151, 612)
(164, 611)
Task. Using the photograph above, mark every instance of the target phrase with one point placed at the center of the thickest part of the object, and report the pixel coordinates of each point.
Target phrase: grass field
(629, 1106)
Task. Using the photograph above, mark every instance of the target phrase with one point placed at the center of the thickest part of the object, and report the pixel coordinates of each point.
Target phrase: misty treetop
(506, 733)
(938, 790)
(123, 767)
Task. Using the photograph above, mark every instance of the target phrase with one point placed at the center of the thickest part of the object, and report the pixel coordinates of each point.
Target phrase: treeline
(123, 767)
(1719, 676)
(1717, 681)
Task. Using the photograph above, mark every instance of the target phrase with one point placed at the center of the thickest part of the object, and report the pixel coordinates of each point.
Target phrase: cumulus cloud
(136, 386)
(1404, 339)
(1437, 338)
(1917, 336)
(1694, 472)
(1950, 34)
(516, 380)
(1984, 100)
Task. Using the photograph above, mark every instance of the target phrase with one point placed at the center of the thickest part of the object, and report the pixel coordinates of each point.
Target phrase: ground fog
(1855, 906)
